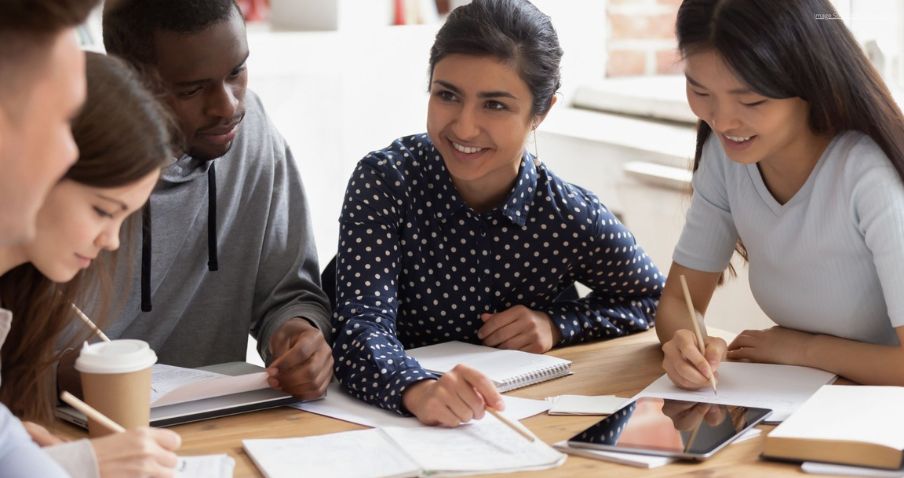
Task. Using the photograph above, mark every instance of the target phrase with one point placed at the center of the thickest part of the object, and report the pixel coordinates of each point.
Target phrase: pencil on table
(692, 313)
(91, 413)
(90, 324)
(513, 425)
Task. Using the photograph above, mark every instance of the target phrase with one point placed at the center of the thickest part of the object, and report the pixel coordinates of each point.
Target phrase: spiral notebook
(508, 369)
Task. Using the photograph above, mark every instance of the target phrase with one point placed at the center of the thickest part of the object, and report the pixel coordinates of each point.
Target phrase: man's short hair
(129, 25)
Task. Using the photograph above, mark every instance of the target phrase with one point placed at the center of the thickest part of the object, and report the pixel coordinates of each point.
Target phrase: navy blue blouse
(416, 266)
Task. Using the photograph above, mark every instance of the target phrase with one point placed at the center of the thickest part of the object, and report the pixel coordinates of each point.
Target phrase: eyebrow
(121, 204)
(737, 91)
(482, 94)
(185, 84)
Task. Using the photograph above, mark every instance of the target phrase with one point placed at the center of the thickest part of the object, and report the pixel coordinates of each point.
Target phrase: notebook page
(497, 364)
(205, 466)
(868, 414)
(171, 385)
(783, 388)
(480, 446)
(336, 455)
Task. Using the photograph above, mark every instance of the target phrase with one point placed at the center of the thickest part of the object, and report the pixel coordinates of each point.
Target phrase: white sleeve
(709, 236)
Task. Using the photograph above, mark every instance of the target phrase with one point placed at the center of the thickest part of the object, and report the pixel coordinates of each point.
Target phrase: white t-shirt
(828, 261)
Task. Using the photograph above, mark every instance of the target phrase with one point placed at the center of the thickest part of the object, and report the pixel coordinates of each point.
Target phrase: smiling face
(206, 76)
(750, 126)
(77, 222)
(479, 116)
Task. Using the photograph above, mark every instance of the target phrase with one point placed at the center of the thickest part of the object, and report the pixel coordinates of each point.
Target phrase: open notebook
(485, 446)
(508, 369)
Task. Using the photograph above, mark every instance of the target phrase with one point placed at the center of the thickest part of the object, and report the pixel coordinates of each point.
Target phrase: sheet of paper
(171, 385)
(205, 466)
(336, 455)
(782, 388)
(586, 405)
(480, 446)
(340, 405)
(844, 470)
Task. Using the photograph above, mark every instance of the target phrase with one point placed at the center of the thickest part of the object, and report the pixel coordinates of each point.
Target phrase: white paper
(342, 406)
(782, 388)
(205, 466)
(844, 470)
(868, 414)
(171, 385)
(498, 365)
(480, 446)
(336, 455)
(586, 405)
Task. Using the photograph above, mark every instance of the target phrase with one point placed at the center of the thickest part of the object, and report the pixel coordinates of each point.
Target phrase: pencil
(91, 413)
(90, 324)
(692, 313)
(513, 425)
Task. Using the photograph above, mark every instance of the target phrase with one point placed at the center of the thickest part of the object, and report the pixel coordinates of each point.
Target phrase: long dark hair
(123, 134)
(510, 30)
(786, 49)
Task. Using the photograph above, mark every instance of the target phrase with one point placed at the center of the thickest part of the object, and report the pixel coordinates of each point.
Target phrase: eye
(446, 95)
(102, 213)
(495, 106)
(698, 93)
(238, 71)
(755, 103)
(189, 93)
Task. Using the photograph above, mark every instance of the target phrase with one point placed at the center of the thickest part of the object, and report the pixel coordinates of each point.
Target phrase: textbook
(849, 425)
(484, 446)
(508, 369)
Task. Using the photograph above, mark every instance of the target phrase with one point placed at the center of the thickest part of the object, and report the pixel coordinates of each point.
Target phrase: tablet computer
(673, 428)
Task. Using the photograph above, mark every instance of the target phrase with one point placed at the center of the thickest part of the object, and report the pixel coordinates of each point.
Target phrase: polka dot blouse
(416, 266)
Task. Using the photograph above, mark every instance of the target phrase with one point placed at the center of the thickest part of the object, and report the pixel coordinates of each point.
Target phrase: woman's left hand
(519, 328)
(774, 345)
(40, 435)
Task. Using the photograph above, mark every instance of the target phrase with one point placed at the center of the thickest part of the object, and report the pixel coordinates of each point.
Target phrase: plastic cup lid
(118, 356)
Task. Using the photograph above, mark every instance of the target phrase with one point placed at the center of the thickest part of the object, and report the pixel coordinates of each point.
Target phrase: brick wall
(641, 37)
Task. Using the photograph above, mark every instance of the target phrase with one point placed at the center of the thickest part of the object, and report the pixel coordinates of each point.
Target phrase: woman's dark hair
(788, 49)
(511, 30)
(123, 134)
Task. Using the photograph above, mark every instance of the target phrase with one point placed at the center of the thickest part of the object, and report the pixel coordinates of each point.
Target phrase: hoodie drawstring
(146, 258)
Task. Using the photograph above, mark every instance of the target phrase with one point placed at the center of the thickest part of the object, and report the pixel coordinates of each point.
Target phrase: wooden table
(622, 367)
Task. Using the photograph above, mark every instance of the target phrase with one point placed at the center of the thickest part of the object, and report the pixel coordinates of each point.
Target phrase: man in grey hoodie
(226, 245)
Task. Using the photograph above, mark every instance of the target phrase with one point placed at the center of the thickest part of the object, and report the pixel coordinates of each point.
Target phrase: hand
(146, 452)
(457, 397)
(685, 365)
(519, 328)
(41, 435)
(773, 345)
(688, 415)
(303, 361)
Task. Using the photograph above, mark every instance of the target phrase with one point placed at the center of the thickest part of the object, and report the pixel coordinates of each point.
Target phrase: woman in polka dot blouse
(459, 234)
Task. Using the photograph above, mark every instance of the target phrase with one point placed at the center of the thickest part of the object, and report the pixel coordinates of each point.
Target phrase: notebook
(181, 395)
(849, 425)
(781, 388)
(485, 446)
(508, 369)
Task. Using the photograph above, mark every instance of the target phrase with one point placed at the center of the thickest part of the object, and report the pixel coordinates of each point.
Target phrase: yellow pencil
(692, 313)
(513, 425)
(91, 412)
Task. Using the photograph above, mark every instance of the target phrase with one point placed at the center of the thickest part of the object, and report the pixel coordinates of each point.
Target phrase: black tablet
(675, 428)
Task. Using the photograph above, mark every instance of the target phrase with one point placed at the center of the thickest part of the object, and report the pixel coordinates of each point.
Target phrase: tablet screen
(669, 427)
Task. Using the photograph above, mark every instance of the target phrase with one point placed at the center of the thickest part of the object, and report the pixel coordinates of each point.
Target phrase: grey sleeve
(288, 279)
(709, 235)
(76, 457)
(19, 456)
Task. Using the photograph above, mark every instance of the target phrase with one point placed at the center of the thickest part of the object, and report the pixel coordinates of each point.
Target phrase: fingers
(167, 439)
(684, 363)
(482, 385)
(457, 397)
(41, 435)
(308, 380)
(492, 333)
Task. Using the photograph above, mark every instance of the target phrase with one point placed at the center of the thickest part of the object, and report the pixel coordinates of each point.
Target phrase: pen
(513, 425)
(91, 412)
(89, 323)
(692, 313)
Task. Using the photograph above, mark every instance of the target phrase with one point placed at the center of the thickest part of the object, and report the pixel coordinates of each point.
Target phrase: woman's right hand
(139, 452)
(457, 397)
(685, 365)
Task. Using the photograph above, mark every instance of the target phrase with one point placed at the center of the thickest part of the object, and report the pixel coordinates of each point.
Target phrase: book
(780, 388)
(485, 446)
(182, 395)
(848, 425)
(508, 369)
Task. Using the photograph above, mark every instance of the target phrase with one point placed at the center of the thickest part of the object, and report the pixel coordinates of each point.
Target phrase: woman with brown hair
(124, 141)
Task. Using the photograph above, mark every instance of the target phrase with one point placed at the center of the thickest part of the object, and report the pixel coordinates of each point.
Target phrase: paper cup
(116, 380)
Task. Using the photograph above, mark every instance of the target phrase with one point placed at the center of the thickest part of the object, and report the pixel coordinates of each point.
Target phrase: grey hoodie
(259, 270)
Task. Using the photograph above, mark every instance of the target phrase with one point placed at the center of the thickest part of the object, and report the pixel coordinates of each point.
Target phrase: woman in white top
(123, 140)
(799, 164)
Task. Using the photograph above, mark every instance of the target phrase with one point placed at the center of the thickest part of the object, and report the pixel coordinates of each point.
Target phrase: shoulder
(405, 160)
(571, 205)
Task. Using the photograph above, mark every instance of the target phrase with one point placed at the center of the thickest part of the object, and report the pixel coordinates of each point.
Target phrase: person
(460, 234)
(123, 139)
(42, 86)
(799, 162)
(227, 244)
